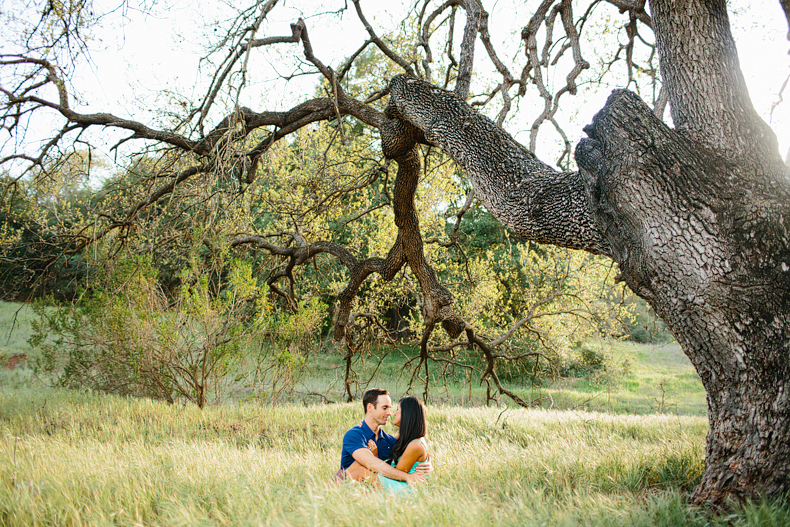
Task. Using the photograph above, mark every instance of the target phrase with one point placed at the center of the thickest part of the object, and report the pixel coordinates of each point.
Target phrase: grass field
(658, 379)
(15, 328)
(69, 458)
(617, 454)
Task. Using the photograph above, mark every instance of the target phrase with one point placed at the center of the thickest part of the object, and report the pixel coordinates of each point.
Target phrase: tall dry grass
(69, 458)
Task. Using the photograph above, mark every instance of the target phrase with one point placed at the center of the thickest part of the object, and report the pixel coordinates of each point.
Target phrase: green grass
(613, 450)
(658, 378)
(70, 458)
(15, 328)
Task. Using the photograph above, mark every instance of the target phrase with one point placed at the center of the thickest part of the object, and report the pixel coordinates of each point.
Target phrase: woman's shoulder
(418, 446)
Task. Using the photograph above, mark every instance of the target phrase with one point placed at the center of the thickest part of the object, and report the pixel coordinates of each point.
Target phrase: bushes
(280, 362)
(126, 336)
(645, 326)
(592, 359)
(595, 362)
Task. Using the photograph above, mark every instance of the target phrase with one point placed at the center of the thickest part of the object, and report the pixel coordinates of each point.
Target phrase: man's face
(382, 411)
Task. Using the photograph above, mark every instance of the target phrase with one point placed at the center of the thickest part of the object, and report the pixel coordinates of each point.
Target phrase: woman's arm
(415, 451)
(367, 460)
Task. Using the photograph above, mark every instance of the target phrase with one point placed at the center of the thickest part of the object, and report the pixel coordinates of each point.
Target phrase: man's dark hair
(413, 423)
(372, 397)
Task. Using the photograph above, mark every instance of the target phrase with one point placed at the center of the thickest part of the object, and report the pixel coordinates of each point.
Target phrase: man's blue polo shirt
(358, 437)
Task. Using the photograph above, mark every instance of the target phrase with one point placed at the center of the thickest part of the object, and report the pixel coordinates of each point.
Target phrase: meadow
(79, 458)
(638, 379)
(15, 328)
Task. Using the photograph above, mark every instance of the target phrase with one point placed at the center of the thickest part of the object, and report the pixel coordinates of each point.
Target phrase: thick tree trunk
(701, 236)
(706, 243)
(735, 189)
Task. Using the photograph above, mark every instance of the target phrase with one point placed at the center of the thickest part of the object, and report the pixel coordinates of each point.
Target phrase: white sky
(144, 54)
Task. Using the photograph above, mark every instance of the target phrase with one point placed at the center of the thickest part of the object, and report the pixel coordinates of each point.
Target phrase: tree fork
(507, 178)
(399, 142)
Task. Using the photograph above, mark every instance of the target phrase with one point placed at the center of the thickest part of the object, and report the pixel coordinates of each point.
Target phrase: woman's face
(396, 417)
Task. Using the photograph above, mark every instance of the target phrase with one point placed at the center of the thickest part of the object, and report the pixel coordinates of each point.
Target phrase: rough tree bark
(695, 217)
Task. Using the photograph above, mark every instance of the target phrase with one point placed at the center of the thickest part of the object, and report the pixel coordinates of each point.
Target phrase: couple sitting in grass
(371, 454)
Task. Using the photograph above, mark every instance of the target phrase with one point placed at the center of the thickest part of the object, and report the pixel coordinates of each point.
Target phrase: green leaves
(126, 335)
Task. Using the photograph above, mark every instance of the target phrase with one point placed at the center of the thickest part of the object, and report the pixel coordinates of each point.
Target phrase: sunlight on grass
(70, 458)
(614, 450)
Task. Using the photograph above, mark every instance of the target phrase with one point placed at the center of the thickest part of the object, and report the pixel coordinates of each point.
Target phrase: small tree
(126, 336)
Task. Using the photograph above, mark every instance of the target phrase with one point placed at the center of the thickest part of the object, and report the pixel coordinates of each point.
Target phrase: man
(366, 446)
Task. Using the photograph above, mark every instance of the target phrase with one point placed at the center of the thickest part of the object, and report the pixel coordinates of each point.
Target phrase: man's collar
(369, 430)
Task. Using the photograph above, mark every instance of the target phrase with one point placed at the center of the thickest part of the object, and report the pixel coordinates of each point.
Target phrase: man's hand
(373, 447)
(424, 468)
(415, 478)
(366, 458)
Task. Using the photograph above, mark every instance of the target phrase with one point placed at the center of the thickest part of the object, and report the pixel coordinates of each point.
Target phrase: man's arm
(367, 459)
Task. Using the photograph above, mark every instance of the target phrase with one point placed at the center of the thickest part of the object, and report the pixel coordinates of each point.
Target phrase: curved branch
(358, 271)
(425, 32)
(636, 8)
(505, 175)
(507, 78)
(237, 50)
(490, 371)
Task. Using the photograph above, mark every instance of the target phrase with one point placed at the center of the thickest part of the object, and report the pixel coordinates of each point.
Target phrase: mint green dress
(395, 486)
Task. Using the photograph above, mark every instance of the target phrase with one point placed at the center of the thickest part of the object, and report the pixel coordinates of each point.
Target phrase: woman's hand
(373, 447)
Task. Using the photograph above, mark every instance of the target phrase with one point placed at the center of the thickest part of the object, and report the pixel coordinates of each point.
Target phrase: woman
(410, 449)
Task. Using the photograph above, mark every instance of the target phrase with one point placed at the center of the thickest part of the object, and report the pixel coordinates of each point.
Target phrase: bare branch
(507, 78)
(425, 33)
(381, 45)
(636, 8)
(464, 79)
(296, 32)
(236, 51)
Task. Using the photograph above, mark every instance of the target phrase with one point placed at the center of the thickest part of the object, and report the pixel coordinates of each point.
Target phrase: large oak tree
(694, 215)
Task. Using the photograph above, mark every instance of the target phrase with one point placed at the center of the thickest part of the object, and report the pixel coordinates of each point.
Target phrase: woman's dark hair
(413, 424)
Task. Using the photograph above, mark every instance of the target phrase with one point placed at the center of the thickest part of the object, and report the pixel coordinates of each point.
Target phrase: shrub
(593, 359)
(283, 350)
(126, 336)
(590, 360)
